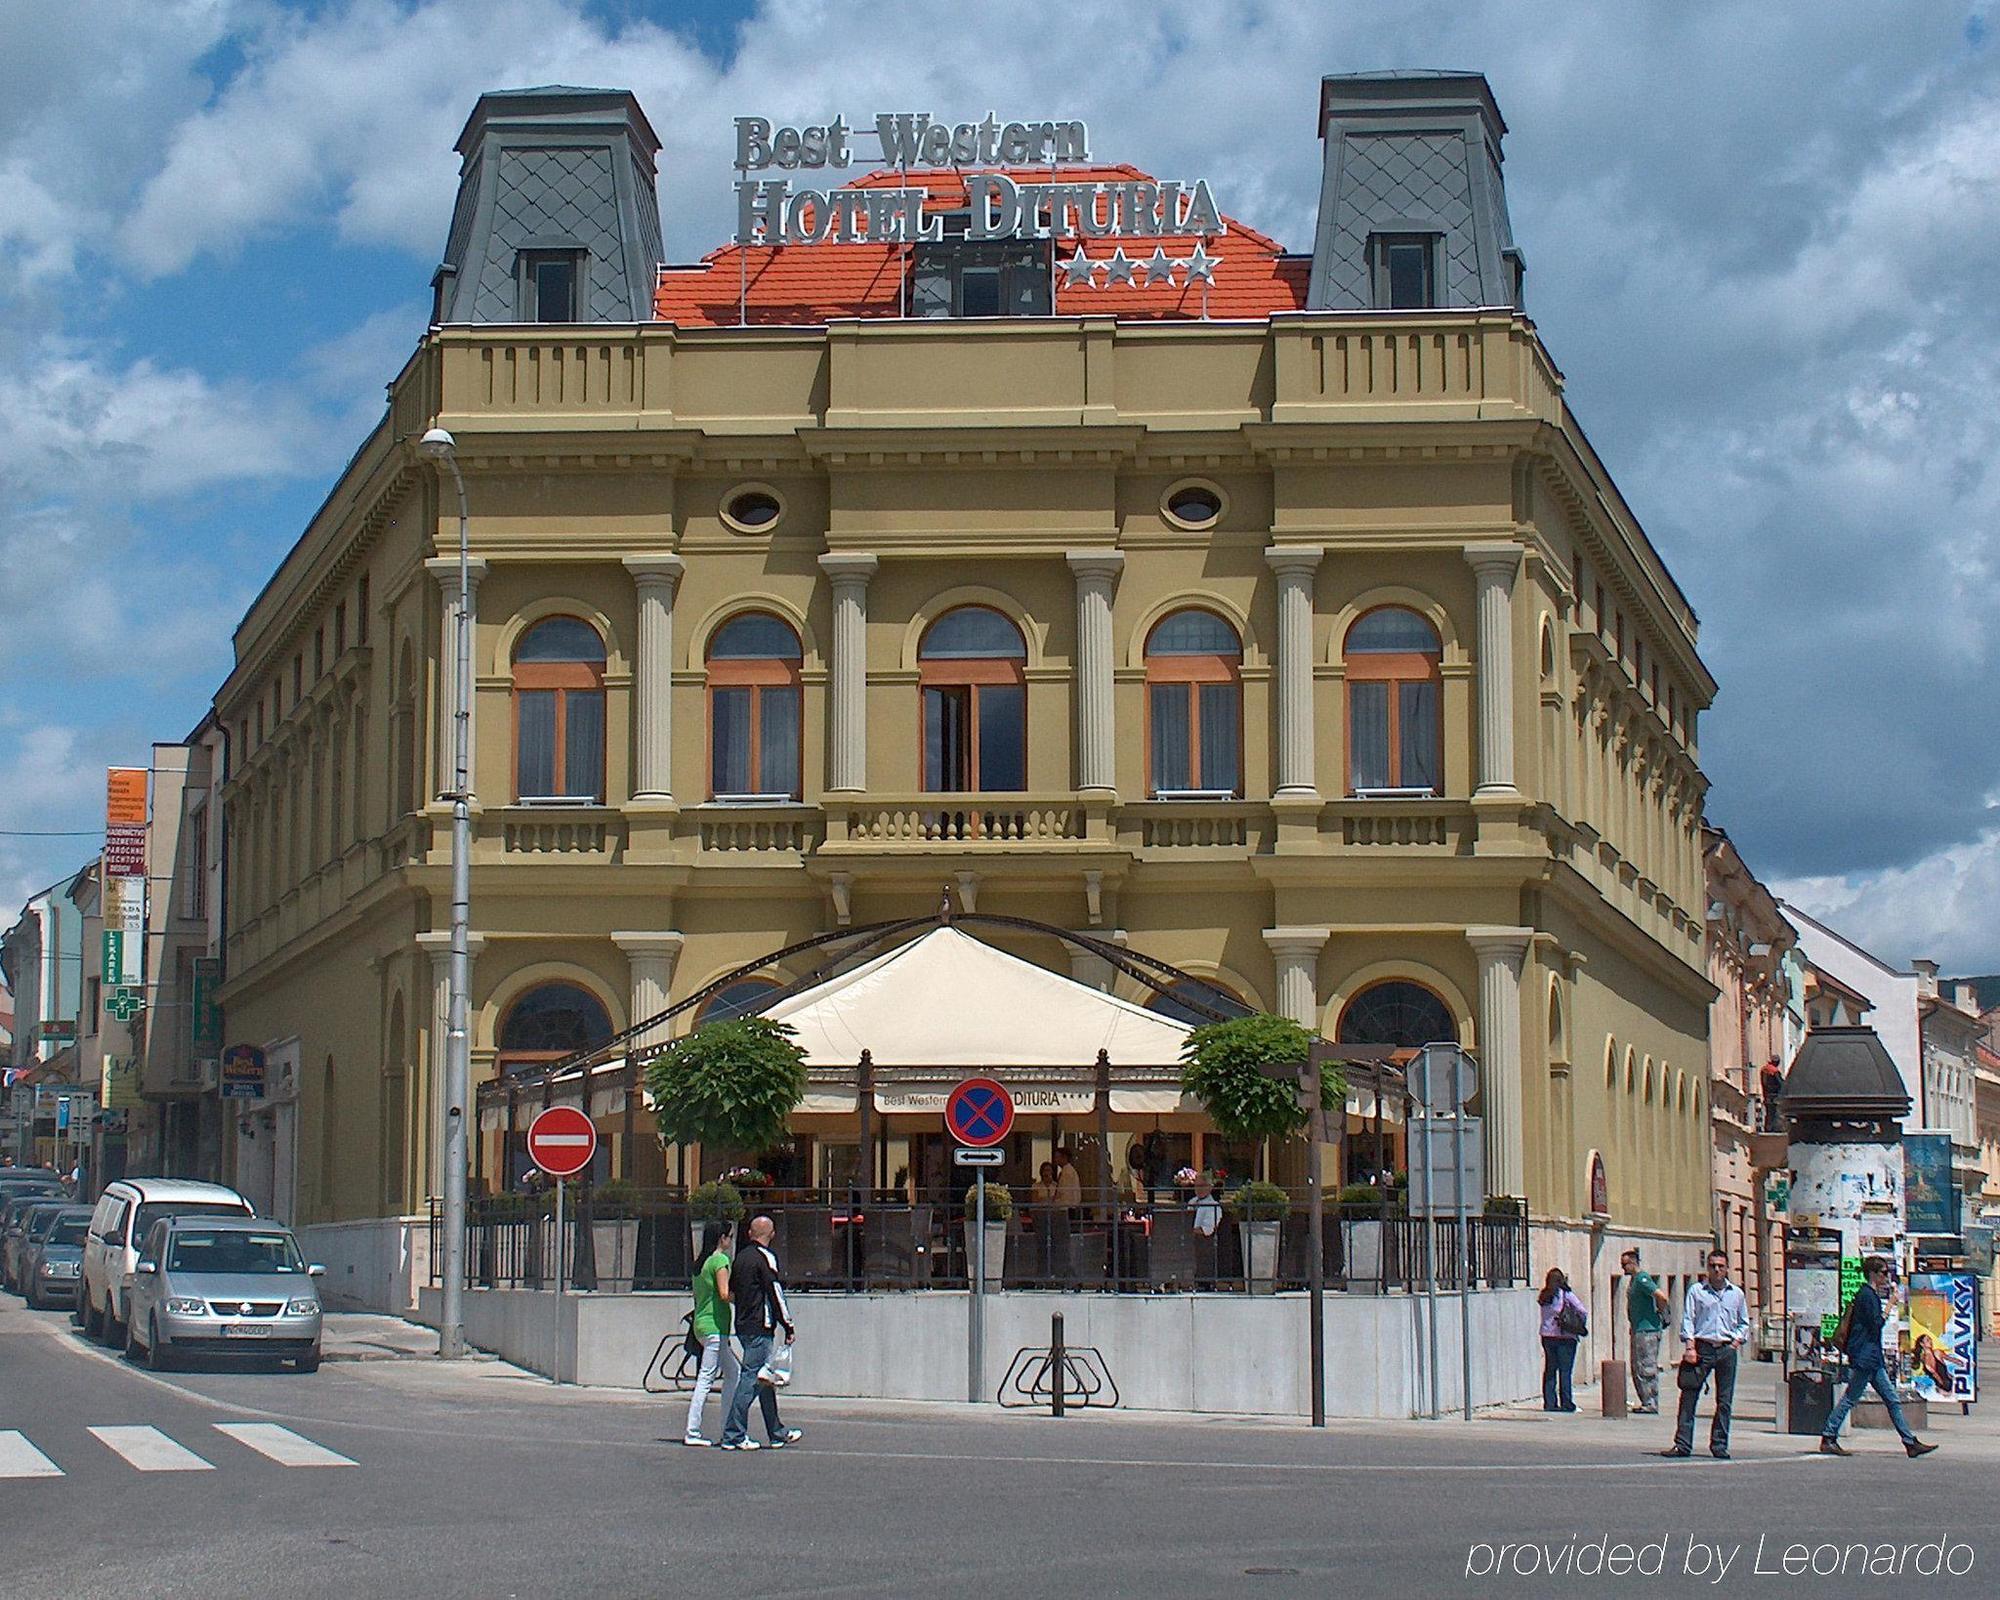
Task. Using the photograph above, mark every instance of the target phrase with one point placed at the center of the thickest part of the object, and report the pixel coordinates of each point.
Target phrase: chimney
(1927, 978)
(1412, 211)
(1966, 997)
(557, 218)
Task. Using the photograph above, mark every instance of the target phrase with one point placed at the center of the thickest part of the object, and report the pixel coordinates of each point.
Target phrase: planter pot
(1260, 1255)
(1364, 1255)
(615, 1249)
(996, 1253)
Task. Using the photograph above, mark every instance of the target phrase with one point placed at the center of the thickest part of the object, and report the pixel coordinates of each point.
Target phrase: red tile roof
(805, 284)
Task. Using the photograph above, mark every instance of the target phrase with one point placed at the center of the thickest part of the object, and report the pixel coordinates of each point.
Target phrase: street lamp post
(439, 446)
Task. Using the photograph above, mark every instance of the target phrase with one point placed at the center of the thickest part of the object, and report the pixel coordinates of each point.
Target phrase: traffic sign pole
(980, 1114)
(555, 1350)
(975, 1359)
(561, 1142)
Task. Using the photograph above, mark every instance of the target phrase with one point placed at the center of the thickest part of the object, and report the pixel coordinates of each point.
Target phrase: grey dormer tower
(557, 217)
(1411, 207)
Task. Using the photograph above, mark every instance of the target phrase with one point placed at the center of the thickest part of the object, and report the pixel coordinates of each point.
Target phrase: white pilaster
(1494, 567)
(1087, 966)
(1296, 567)
(1096, 573)
(651, 958)
(1296, 951)
(655, 577)
(849, 572)
(428, 1140)
(445, 570)
(1501, 952)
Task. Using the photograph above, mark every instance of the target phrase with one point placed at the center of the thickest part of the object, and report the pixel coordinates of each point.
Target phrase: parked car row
(165, 1269)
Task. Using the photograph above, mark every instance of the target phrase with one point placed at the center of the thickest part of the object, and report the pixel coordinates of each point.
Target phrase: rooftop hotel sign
(776, 210)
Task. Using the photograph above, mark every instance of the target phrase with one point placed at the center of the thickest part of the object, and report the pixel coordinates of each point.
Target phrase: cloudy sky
(1762, 243)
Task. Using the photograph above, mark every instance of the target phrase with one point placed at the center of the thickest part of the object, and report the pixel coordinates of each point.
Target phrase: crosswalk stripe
(20, 1459)
(150, 1450)
(282, 1445)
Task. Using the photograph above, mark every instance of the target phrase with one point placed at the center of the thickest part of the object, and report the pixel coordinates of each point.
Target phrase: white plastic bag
(777, 1372)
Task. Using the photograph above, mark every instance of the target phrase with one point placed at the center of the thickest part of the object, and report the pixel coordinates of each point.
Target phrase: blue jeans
(1861, 1377)
(1712, 1356)
(1558, 1367)
(755, 1352)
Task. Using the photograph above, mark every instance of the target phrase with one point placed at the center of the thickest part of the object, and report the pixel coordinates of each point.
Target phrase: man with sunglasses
(1863, 1320)
(1715, 1324)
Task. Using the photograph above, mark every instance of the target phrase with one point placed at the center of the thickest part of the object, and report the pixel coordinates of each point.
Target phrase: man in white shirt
(1715, 1324)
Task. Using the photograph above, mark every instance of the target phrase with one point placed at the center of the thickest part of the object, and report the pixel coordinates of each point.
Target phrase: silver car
(235, 1287)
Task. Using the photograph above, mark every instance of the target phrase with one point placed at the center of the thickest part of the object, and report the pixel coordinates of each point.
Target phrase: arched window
(753, 709)
(971, 669)
(736, 999)
(1397, 1012)
(1395, 738)
(559, 712)
(549, 1022)
(1173, 1001)
(1194, 703)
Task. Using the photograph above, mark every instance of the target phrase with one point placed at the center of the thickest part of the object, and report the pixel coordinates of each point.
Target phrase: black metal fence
(648, 1241)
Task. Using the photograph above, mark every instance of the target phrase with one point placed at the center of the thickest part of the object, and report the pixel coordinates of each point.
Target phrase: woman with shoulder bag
(710, 1327)
(1564, 1321)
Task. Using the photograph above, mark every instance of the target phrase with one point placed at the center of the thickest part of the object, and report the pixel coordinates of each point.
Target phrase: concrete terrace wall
(370, 1266)
(1229, 1354)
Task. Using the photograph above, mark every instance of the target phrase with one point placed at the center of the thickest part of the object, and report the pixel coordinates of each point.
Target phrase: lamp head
(437, 444)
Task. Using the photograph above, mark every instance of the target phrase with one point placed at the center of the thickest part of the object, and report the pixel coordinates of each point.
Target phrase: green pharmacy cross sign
(125, 1004)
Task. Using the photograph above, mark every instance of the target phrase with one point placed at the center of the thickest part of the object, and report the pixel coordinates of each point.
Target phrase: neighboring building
(1751, 1027)
(1848, 987)
(1305, 644)
(181, 1047)
(1986, 1115)
(40, 956)
(1951, 1031)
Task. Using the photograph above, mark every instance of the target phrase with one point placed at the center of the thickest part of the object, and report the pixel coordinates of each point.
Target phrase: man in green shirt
(711, 1327)
(1646, 1315)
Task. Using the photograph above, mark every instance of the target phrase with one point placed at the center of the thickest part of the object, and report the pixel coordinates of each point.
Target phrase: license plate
(244, 1330)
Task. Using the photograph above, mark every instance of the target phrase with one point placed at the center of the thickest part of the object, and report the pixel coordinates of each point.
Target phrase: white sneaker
(788, 1436)
(747, 1444)
(695, 1438)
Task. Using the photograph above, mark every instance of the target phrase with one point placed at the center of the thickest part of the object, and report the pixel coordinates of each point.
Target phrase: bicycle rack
(673, 1368)
(1030, 1378)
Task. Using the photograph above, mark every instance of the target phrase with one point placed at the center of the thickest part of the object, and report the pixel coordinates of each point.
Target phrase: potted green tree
(1238, 1070)
(1363, 1208)
(614, 1234)
(731, 1085)
(999, 1207)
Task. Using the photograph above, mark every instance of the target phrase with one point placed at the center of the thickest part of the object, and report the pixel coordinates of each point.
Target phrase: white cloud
(1940, 907)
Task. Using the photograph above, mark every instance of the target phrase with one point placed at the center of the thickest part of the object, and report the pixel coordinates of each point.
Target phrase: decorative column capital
(445, 570)
(649, 944)
(1494, 944)
(848, 567)
(438, 947)
(1095, 566)
(663, 567)
(1294, 560)
(1498, 559)
(1297, 944)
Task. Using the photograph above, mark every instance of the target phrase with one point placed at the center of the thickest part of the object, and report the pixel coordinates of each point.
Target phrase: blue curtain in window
(729, 747)
(1368, 719)
(535, 748)
(778, 733)
(1170, 737)
(583, 743)
(1220, 707)
(1420, 736)
(1003, 737)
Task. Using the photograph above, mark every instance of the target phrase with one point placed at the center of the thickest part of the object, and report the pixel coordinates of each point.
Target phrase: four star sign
(1159, 267)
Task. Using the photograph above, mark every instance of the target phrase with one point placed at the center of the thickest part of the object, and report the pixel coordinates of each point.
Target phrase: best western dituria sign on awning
(780, 211)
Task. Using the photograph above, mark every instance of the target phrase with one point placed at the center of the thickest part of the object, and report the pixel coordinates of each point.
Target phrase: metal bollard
(1057, 1363)
(1611, 1388)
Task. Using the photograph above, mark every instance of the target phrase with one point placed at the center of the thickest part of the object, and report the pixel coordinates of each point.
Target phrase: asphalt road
(477, 1481)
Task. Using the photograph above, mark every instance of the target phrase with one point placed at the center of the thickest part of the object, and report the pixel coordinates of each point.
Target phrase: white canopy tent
(949, 1002)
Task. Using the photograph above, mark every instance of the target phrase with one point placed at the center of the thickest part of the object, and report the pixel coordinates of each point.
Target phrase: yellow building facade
(1311, 652)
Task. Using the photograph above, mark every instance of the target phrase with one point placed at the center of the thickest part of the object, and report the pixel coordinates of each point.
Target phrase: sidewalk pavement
(364, 1336)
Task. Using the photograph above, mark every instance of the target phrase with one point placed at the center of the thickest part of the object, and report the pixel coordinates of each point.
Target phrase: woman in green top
(711, 1326)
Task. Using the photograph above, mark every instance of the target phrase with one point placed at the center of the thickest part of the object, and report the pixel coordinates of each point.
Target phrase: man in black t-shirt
(1864, 1319)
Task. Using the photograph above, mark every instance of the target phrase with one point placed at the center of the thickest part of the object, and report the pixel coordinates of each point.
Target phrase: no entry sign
(979, 1113)
(561, 1141)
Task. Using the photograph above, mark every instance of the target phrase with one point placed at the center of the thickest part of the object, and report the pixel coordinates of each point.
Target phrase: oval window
(1194, 505)
(752, 510)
